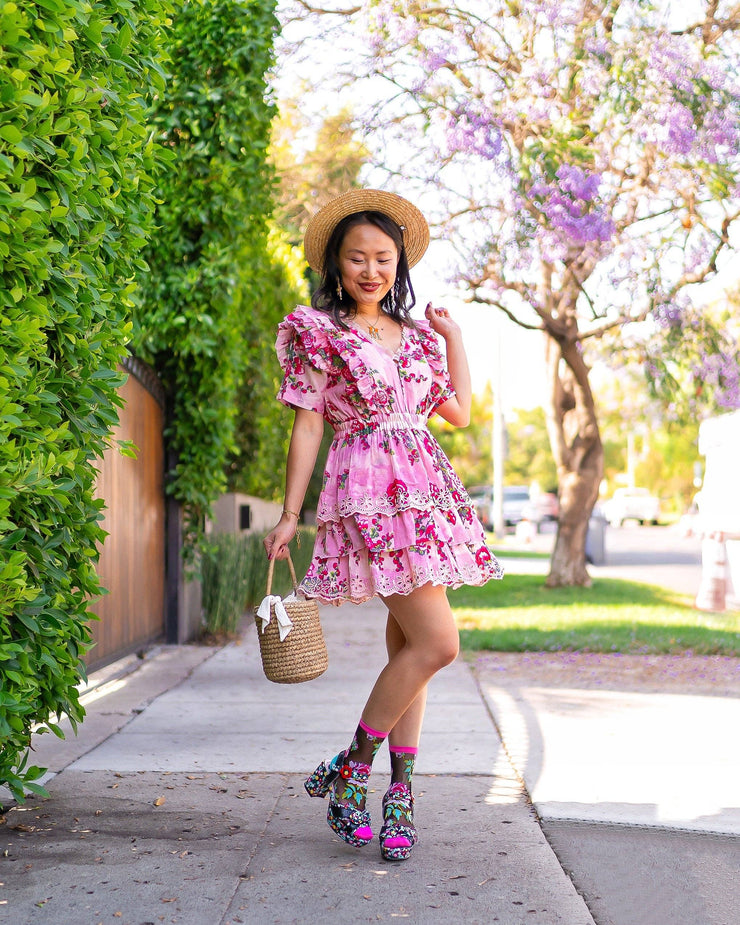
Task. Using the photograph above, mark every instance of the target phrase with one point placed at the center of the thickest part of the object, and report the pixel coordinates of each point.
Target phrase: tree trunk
(579, 456)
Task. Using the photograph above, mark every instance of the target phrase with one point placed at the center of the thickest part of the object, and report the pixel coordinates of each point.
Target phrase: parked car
(517, 500)
(481, 496)
(542, 508)
(632, 504)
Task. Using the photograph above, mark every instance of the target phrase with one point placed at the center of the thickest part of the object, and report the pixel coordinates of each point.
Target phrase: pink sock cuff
(372, 732)
(404, 749)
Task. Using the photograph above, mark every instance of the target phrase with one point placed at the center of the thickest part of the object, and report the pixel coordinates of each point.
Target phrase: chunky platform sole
(397, 838)
(351, 825)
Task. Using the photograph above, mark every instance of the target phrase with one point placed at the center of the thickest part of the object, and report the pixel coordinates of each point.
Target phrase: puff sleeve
(303, 355)
(441, 388)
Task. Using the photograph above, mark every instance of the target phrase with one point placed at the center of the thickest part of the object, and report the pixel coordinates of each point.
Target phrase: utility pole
(497, 435)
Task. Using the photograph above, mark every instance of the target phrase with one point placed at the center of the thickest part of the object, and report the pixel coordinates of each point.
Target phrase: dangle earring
(339, 289)
(392, 298)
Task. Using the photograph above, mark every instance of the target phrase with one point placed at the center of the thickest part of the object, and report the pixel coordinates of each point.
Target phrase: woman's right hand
(276, 541)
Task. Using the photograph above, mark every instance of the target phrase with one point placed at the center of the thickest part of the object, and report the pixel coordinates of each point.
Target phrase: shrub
(207, 305)
(75, 203)
(234, 570)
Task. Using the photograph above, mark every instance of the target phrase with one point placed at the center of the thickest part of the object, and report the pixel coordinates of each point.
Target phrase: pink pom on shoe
(398, 842)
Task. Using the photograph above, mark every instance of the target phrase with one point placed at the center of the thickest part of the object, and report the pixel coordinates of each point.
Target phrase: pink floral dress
(392, 513)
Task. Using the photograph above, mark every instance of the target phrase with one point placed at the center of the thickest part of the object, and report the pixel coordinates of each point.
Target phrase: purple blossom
(571, 208)
(669, 315)
(434, 59)
(597, 45)
(474, 132)
(386, 26)
(673, 60)
(577, 182)
(721, 372)
(721, 130)
(675, 131)
(557, 12)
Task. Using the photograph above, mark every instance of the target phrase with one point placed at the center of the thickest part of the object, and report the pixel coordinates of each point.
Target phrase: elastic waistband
(396, 421)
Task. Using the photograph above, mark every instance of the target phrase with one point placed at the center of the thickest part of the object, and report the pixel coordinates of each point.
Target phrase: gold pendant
(373, 331)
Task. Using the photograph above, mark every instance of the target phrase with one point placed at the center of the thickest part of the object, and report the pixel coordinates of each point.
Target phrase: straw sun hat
(406, 216)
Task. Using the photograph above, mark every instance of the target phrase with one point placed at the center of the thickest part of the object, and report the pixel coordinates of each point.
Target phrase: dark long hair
(325, 298)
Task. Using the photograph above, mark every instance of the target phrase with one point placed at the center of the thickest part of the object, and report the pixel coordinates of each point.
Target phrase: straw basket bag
(291, 641)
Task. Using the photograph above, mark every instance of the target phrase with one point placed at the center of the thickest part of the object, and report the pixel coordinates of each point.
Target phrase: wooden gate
(132, 560)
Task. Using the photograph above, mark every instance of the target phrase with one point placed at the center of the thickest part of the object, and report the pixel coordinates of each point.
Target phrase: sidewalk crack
(270, 815)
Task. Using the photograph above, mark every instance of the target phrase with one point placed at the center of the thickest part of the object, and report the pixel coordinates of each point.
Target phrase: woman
(393, 518)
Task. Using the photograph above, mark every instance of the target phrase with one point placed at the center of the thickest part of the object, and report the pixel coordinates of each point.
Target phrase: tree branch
(488, 299)
(699, 276)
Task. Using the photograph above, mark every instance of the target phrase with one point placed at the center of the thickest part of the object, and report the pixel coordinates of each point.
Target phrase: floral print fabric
(392, 514)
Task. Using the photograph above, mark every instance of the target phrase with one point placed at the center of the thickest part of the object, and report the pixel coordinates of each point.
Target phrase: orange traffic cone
(712, 593)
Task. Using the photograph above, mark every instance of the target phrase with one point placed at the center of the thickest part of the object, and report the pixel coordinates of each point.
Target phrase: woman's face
(367, 264)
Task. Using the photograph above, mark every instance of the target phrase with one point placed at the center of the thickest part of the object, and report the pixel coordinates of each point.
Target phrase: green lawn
(514, 552)
(519, 614)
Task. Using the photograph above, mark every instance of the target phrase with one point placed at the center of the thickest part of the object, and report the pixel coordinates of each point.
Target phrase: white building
(719, 498)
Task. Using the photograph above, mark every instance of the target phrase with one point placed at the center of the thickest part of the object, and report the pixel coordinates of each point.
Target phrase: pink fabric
(372, 732)
(397, 841)
(404, 749)
(392, 515)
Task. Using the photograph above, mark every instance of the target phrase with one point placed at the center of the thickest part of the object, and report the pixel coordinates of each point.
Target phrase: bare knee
(442, 652)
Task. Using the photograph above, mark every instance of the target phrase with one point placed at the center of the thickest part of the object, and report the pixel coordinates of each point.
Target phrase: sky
(522, 355)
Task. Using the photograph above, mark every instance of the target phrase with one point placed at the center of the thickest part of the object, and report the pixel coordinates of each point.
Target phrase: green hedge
(207, 302)
(76, 197)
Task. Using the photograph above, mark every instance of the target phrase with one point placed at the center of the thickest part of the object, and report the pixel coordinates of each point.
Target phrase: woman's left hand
(440, 321)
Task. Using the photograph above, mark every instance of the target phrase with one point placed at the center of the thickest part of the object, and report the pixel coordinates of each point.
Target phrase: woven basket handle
(271, 568)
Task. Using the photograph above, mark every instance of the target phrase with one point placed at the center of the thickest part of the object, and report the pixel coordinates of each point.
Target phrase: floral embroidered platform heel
(398, 835)
(351, 823)
(319, 783)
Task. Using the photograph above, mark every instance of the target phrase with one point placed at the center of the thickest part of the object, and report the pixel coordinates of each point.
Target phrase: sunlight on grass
(520, 614)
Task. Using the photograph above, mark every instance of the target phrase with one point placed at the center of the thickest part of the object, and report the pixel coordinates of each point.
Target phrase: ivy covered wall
(211, 299)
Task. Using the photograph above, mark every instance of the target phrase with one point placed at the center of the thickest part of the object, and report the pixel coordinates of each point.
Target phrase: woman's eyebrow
(360, 250)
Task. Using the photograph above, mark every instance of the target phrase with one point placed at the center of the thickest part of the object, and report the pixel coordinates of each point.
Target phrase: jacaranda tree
(585, 153)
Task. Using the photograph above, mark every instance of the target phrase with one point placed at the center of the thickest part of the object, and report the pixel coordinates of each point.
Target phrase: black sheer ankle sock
(403, 758)
(365, 744)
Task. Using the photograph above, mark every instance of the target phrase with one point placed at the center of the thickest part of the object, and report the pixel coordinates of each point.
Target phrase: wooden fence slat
(132, 560)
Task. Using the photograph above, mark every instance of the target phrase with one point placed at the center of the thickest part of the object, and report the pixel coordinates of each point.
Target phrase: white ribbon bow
(281, 615)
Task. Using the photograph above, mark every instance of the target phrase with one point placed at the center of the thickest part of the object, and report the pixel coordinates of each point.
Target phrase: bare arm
(456, 410)
(305, 439)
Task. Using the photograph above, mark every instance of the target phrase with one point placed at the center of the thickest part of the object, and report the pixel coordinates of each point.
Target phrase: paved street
(654, 555)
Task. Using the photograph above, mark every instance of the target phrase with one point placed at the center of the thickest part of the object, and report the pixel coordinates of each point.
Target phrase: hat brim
(404, 214)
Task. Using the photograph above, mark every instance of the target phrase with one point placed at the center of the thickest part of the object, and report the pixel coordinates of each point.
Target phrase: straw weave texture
(302, 655)
(403, 213)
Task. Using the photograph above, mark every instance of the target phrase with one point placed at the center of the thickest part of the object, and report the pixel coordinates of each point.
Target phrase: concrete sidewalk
(181, 801)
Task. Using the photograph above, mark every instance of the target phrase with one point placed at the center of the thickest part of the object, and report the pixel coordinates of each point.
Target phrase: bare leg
(431, 641)
(407, 730)
(421, 637)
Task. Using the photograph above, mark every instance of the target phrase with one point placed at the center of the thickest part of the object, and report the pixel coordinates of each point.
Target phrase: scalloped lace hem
(361, 591)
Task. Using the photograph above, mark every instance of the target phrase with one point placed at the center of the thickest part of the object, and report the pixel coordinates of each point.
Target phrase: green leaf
(11, 133)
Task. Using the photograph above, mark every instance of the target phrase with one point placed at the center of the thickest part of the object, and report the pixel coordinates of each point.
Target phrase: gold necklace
(374, 330)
